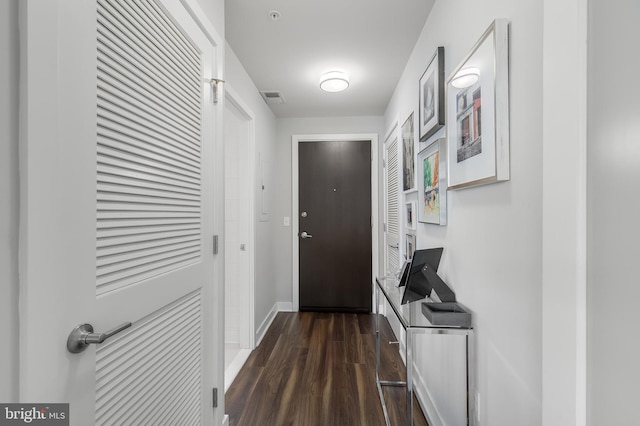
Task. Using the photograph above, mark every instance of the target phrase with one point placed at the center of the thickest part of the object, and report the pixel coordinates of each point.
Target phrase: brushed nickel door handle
(305, 235)
(82, 336)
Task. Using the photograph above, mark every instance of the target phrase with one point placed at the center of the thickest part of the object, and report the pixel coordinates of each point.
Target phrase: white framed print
(432, 183)
(410, 215)
(478, 112)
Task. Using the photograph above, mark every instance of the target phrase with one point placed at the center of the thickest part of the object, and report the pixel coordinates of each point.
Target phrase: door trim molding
(234, 99)
(295, 222)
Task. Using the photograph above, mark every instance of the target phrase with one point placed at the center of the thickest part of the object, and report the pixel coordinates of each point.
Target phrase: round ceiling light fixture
(334, 81)
(465, 78)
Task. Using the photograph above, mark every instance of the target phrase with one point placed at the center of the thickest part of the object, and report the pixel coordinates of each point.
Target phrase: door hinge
(215, 244)
(384, 226)
(215, 397)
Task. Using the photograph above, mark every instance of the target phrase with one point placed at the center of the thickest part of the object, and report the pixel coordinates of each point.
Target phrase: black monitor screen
(404, 273)
(417, 286)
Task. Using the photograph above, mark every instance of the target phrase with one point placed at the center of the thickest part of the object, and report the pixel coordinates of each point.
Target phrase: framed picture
(410, 245)
(408, 156)
(432, 184)
(432, 96)
(478, 112)
(410, 215)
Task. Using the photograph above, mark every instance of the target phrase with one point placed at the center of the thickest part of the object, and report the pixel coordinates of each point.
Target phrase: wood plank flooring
(319, 369)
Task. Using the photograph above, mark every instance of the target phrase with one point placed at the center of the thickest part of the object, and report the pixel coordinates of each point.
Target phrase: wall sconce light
(465, 78)
(334, 81)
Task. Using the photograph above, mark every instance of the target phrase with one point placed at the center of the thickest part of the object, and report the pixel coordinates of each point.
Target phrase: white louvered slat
(151, 77)
(116, 23)
(393, 207)
(110, 163)
(157, 382)
(134, 255)
(130, 181)
(106, 237)
(140, 107)
(166, 199)
(149, 212)
(122, 121)
(121, 247)
(115, 243)
(132, 79)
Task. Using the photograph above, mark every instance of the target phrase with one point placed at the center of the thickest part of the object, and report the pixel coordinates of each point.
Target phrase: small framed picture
(408, 156)
(431, 106)
(432, 184)
(410, 246)
(410, 215)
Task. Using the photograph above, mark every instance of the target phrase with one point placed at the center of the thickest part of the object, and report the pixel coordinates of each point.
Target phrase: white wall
(563, 213)
(9, 50)
(613, 212)
(214, 9)
(493, 244)
(267, 286)
(286, 127)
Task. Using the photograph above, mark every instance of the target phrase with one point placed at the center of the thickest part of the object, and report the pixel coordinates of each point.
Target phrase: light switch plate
(286, 221)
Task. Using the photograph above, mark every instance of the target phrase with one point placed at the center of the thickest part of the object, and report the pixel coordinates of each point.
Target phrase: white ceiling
(371, 40)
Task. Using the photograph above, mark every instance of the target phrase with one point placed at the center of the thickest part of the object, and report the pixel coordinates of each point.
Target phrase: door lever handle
(305, 235)
(82, 336)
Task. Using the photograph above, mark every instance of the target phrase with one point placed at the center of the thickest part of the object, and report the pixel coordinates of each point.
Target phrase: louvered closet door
(392, 206)
(124, 205)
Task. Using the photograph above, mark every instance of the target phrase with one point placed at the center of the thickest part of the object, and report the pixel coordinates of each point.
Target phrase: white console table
(414, 322)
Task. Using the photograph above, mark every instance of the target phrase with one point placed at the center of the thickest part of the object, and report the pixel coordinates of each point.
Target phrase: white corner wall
(613, 210)
(267, 285)
(214, 9)
(9, 68)
(493, 240)
(563, 218)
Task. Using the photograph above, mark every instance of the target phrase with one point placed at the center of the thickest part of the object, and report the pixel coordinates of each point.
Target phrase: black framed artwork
(431, 106)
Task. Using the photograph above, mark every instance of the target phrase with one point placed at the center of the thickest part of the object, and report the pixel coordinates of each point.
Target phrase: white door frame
(233, 97)
(295, 141)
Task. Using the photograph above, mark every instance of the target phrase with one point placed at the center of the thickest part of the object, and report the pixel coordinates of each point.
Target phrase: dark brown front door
(335, 213)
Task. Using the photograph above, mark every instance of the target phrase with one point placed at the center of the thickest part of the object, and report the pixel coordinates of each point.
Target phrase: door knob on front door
(82, 336)
(305, 235)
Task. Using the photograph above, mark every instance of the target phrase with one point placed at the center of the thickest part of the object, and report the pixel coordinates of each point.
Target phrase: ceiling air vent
(272, 97)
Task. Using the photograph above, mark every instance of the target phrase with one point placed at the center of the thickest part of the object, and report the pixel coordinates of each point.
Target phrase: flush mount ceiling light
(465, 78)
(334, 81)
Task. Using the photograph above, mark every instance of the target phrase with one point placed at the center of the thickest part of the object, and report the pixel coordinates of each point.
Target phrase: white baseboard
(424, 399)
(421, 391)
(233, 369)
(277, 307)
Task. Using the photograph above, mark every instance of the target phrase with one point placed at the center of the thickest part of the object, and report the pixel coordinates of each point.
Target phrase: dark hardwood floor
(319, 369)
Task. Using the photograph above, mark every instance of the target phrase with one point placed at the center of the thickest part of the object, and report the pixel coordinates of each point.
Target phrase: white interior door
(392, 204)
(118, 209)
(239, 173)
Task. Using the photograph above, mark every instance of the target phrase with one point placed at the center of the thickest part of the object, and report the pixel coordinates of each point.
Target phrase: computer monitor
(417, 286)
